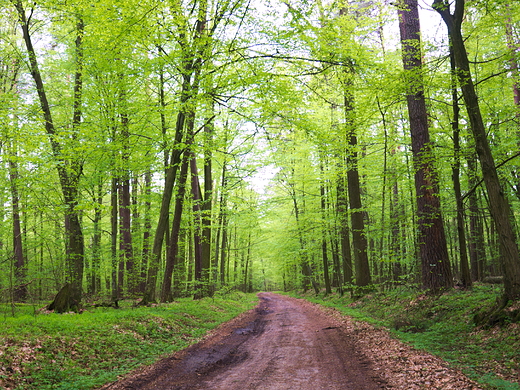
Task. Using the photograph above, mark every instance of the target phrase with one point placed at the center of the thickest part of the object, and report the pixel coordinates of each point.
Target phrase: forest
(161, 149)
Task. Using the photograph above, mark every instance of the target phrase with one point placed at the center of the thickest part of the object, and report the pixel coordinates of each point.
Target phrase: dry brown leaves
(400, 365)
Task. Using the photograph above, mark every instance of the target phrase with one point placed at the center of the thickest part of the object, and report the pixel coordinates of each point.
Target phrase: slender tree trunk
(146, 230)
(220, 247)
(308, 278)
(164, 212)
(125, 212)
(498, 204)
(395, 231)
(435, 264)
(171, 259)
(476, 228)
(207, 203)
(200, 280)
(20, 270)
(346, 253)
(324, 249)
(359, 239)
(95, 272)
(114, 205)
(465, 275)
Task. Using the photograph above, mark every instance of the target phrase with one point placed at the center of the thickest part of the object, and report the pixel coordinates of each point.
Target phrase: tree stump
(63, 301)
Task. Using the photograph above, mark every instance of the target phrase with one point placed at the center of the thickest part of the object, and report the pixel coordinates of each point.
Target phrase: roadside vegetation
(41, 350)
(444, 325)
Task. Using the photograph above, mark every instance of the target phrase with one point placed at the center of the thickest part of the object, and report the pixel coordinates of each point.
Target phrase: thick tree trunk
(498, 204)
(435, 264)
(69, 170)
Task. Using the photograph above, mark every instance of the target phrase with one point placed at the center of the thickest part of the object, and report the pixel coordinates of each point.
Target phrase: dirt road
(290, 344)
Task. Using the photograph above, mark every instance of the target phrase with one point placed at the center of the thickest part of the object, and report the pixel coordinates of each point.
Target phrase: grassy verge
(83, 351)
(443, 326)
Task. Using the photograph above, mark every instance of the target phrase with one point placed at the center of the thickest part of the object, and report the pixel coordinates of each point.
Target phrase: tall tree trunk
(220, 246)
(465, 275)
(200, 280)
(435, 264)
(359, 239)
(308, 277)
(173, 249)
(324, 249)
(171, 172)
(114, 211)
(69, 170)
(476, 228)
(514, 47)
(207, 203)
(20, 266)
(125, 210)
(146, 230)
(346, 253)
(95, 271)
(498, 204)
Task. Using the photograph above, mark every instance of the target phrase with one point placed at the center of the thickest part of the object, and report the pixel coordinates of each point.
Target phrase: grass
(443, 325)
(83, 351)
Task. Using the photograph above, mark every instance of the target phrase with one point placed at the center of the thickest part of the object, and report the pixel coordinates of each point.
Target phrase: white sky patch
(261, 180)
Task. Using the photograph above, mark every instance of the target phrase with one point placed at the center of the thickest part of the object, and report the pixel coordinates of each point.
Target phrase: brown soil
(287, 343)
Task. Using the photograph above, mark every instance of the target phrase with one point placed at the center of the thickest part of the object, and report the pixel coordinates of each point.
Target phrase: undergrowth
(42, 351)
(443, 325)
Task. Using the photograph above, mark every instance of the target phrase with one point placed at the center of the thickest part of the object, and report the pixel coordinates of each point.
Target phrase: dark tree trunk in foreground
(436, 270)
(69, 170)
(498, 204)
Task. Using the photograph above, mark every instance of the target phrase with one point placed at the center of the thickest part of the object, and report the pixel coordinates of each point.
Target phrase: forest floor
(288, 343)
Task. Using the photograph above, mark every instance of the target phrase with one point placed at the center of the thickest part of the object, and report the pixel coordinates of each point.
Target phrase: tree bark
(346, 252)
(359, 239)
(173, 249)
(20, 271)
(498, 204)
(324, 250)
(435, 264)
(69, 170)
(465, 275)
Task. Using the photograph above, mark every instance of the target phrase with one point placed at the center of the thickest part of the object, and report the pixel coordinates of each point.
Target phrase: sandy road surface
(292, 344)
(284, 344)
